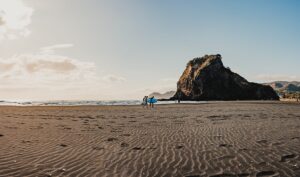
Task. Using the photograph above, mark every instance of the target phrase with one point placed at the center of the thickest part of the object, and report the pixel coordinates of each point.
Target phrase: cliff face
(206, 78)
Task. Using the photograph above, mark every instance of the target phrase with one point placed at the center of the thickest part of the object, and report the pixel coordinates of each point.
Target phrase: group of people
(147, 100)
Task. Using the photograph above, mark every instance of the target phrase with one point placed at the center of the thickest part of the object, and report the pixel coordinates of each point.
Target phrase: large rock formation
(206, 78)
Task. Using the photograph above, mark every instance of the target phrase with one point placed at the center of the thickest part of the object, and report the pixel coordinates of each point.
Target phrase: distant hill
(285, 86)
(165, 95)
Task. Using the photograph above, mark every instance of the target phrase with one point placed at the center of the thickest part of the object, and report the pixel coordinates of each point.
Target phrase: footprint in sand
(63, 145)
(179, 147)
(137, 148)
(295, 138)
(267, 174)
(125, 134)
(124, 145)
(225, 145)
(288, 157)
(277, 143)
(26, 141)
(112, 139)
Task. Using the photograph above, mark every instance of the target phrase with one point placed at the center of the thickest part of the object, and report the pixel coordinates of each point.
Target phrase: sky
(124, 49)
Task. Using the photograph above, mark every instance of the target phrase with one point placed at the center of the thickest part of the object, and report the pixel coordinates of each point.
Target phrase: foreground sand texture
(214, 139)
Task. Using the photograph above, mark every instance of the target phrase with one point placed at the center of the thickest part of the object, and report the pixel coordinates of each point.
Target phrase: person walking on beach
(145, 102)
(151, 102)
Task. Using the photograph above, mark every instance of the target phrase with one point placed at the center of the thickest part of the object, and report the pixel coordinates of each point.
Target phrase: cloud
(38, 68)
(44, 75)
(113, 78)
(51, 49)
(15, 16)
(43, 69)
(35, 63)
(270, 77)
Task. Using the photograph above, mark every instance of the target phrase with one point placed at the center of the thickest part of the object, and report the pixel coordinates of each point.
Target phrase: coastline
(130, 102)
(137, 103)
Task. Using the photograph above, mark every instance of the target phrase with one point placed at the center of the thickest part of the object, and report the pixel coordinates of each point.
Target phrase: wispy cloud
(15, 16)
(52, 48)
(113, 78)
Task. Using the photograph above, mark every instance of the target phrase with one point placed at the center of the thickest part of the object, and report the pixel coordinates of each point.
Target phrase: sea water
(83, 102)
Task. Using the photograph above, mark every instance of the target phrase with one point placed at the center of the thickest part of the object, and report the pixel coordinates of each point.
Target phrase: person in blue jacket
(152, 100)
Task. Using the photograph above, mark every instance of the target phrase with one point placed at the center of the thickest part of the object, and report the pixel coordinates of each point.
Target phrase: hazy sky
(124, 49)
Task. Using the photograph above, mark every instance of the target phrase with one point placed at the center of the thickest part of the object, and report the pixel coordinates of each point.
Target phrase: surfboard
(152, 100)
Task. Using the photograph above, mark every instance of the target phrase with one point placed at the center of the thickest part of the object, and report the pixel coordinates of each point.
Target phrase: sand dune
(210, 140)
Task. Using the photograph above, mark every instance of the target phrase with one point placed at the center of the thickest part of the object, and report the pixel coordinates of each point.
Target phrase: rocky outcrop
(206, 78)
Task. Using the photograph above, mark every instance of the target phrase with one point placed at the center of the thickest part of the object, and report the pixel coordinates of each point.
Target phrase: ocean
(84, 102)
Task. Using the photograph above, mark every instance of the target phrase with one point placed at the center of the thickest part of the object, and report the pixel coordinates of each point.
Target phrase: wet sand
(216, 139)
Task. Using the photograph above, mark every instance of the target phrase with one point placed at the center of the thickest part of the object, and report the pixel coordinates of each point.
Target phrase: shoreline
(160, 103)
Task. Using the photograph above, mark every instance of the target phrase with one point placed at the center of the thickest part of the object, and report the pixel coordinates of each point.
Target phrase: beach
(213, 139)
